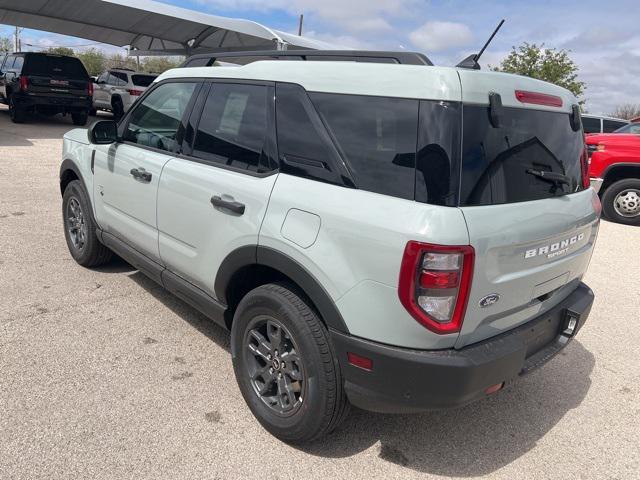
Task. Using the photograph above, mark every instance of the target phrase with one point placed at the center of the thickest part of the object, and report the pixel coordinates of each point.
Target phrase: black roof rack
(243, 58)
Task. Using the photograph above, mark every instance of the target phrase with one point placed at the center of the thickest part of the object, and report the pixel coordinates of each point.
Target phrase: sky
(603, 37)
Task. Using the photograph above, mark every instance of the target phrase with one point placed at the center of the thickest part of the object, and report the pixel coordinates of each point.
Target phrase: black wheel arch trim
(283, 263)
(615, 166)
(68, 164)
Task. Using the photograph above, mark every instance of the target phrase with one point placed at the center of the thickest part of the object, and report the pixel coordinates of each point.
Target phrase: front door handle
(231, 205)
(141, 174)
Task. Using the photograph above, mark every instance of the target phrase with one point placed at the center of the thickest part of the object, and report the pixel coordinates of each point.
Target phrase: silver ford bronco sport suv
(391, 235)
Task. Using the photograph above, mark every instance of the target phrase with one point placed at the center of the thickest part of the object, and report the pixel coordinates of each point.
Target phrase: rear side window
(233, 127)
(118, 79)
(499, 165)
(17, 64)
(304, 146)
(609, 126)
(55, 66)
(377, 137)
(142, 80)
(591, 125)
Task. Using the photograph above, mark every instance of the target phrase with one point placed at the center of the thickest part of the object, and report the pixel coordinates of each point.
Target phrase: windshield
(508, 164)
(631, 128)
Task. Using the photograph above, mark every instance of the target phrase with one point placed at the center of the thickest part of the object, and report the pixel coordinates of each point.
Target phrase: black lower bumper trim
(404, 380)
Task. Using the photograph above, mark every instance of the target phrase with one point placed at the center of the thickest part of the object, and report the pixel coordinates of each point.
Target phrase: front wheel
(621, 201)
(285, 365)
(80, 228)
(80, 118)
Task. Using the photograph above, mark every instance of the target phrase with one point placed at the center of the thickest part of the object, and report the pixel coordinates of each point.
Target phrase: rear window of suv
(143, 80)
(55, 66)
(499, 164)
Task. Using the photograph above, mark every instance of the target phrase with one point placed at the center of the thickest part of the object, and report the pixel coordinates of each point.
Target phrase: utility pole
(16, 46)
(300, 24)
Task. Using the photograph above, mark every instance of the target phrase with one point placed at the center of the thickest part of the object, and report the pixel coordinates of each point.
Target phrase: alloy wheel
(76, 225)
(274, 366)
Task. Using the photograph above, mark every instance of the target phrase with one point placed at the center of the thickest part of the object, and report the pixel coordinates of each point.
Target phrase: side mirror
(103, 132)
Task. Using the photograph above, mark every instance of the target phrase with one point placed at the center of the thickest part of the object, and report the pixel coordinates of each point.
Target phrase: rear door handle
(231, 205)
(141, 174)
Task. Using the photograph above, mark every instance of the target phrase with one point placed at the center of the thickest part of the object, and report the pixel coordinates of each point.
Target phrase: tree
(159, 64)
(548, 64)
(61, 51)
(94, 61)
(118, 60)
(627, 111)
(6, 45)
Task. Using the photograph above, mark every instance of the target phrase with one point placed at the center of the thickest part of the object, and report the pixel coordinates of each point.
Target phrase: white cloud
(438, 36)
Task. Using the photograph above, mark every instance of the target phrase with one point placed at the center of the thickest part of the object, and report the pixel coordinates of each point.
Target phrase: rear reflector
(536, 98)
(494, 388)
(360, 361)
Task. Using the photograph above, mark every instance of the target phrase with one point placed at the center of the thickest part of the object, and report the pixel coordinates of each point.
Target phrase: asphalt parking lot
(105, 375)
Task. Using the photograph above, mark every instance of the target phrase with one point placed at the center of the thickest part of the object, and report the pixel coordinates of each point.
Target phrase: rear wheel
(117, 108)
(16, 113)
(285, 366)
(80, 118)
(80, 228)
(621, 201)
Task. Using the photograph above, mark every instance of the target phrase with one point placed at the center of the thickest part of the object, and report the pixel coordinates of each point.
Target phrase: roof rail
(368, 56)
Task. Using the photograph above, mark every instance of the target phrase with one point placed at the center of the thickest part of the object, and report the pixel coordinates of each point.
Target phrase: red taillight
(434, 284)
(135, 93)
(584, 167)
(90, 89)
(538, 98)
(360, 361)
(24, 83)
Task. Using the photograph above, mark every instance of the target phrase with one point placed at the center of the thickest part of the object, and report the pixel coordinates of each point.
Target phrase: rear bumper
(404, 380)
(596, 183)
(60, 103)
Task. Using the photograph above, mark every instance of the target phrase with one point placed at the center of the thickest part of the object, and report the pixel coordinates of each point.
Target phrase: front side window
(233, 127)
(155, 120)
(630, 128)
(377, 137)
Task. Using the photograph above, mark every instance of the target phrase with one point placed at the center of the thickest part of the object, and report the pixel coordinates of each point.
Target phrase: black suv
(46, 83)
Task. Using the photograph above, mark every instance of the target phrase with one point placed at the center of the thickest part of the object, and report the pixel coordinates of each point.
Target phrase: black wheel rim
(274, 366)
(76, 225)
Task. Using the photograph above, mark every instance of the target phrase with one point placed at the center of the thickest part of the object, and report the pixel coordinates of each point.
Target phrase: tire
(305, 366)
(117, 108)
(80, 118)
(621, 201)
(80, 228)
(17, 114)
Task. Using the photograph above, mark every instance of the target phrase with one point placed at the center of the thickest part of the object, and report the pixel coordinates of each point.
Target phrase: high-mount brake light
(434, 284)
(537, 98)
(24, 83)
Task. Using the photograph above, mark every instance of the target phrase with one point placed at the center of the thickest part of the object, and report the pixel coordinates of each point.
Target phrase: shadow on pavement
(197, 320)
(474, 440)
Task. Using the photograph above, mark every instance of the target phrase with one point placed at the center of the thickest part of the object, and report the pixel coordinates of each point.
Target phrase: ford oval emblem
(489, 300)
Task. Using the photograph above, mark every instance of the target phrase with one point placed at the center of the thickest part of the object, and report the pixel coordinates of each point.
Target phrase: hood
(613, 138)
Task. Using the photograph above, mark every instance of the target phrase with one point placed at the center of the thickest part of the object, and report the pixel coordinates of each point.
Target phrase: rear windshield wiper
(555, 178)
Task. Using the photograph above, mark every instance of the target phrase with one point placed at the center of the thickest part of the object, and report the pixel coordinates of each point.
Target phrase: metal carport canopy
(151, 28)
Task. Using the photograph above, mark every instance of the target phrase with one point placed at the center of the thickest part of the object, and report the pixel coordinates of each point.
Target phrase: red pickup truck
(614, 170)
